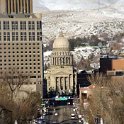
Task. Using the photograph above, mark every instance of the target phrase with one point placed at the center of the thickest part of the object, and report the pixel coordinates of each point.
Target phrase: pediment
(61, 73)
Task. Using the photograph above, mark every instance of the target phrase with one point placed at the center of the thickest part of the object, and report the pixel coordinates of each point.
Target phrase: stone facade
(61, 75)
(20, 42)
(16, 6)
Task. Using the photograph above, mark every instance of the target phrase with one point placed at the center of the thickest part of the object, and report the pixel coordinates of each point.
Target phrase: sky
(73, 4)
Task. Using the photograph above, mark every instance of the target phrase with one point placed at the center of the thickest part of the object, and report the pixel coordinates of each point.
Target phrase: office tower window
(23, 36)
(23, 25)
(0, 24)
(14, 36)
(38, 67)
(31, 25)
(14, 25)
(39, 36)
(6, 36)
(31, 36)
(0, 36)
(39, 25)
(6, 25)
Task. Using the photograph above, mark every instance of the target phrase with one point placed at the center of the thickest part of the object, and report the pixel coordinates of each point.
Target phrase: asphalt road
(61, 115)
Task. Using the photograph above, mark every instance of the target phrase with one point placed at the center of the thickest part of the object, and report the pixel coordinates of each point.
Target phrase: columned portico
(62, 83)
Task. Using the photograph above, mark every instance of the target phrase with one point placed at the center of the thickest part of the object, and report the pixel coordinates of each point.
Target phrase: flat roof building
(20, 41)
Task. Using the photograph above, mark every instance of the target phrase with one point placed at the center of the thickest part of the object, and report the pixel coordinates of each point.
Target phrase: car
(79, 116)
(80, 121)
(54, 122)
(73, 116)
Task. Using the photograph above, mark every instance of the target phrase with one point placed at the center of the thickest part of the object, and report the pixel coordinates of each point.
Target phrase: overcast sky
(73, 4)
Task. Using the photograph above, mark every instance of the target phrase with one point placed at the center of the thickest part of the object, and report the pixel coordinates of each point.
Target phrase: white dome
(61, 42)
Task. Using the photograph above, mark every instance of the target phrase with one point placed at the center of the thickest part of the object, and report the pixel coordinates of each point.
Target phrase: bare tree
(23, 109)
(107, 99)
(26, 108)
(14, 80)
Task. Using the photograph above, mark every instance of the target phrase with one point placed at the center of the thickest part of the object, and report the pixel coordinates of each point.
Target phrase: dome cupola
(61, 42)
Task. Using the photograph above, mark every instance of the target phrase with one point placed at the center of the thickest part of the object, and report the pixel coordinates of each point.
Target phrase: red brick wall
(118, 64)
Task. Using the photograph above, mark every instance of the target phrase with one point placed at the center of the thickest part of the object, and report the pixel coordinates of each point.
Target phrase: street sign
(61, 98)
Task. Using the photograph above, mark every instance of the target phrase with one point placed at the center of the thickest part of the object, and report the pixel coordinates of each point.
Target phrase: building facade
(112, 65)
(20, 42)
(11, 7)
(61, 76)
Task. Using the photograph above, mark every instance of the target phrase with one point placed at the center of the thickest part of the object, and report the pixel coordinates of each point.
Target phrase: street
(62, 115)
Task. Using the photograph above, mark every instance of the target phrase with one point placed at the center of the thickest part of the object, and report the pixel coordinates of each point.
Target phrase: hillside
(82, 23)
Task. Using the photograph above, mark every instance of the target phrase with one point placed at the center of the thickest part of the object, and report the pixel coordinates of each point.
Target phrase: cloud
(73, 4)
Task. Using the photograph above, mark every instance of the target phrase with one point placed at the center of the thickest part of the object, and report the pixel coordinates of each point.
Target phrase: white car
(80, 121)
(79, 116)
(73, 116)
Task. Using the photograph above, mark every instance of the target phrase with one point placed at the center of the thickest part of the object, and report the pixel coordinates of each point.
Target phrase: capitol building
(61, 76)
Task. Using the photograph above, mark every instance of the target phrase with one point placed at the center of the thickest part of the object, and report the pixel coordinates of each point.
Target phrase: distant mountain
(92, 17)
(75, 4)
(39, 6)
(82, 23)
